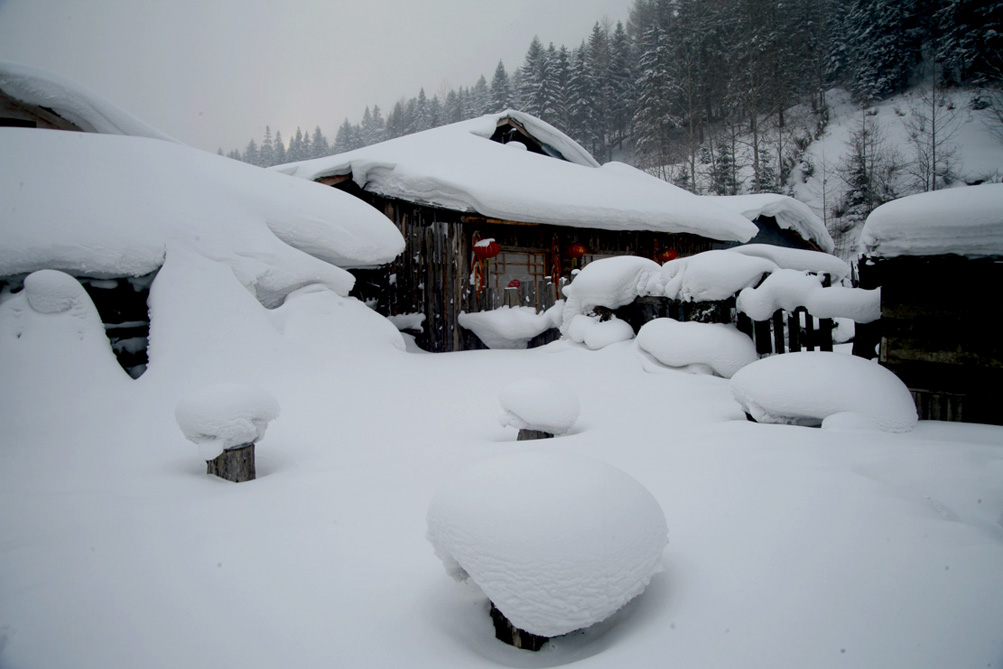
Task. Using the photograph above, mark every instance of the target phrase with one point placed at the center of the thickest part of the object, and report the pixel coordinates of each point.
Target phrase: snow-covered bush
(610, 283)
(715, 347)
(557, 542)
(539, 405)
(596, 333)
(789, 289)
(712, 275)
(822, 388)
(225, 416)
(511, 327)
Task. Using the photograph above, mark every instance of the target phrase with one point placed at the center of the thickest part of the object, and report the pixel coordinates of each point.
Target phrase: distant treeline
(684, 81)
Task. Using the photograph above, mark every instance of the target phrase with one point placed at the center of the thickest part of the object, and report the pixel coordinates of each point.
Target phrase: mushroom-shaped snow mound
(719, 347)
(557, 542)
(225, 415)
(539, 404)
(822, 388)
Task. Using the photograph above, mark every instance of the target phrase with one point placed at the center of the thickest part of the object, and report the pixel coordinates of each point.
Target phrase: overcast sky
(212, 73)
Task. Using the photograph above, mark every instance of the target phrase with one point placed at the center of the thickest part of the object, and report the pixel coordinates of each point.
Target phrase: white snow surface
(608, 282)
(511, 327)
(558, 542)
(458, 167)
(84, 108)
(102, 205)
(965, 221)
(791, 214)
(715, 346)
(712, 275)
(824, 388)
(225, 415)
(546, 405)
(800, 259)
(789, 289)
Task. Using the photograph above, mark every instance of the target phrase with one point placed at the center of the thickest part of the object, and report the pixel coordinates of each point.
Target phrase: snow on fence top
(790, 214)
(965, 221)
(75, 103)
(458, 167)
(102, 205)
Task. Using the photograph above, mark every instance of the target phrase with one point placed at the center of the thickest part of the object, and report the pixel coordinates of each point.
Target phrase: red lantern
(576, 250)
(486, 248)
(665, 255)
(515, 283)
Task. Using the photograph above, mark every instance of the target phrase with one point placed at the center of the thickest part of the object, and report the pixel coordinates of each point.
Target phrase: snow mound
(833, 390)
(712, 275)
(49, 291)
(966, 221)
(610, 283)
(789, 213)
(225, 415)
(557, 542)
(539, 404)
(77, 104)
(102, 205)
(800, 259)
(510, 327)
(596, 333)
(721, 348)
(789, 289)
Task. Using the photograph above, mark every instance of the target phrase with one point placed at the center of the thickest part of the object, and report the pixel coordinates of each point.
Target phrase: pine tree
(267, 151)
(279, 149)
(319, 146)
(501, 93)
(533, 80)
(251, 153)
(480, 97)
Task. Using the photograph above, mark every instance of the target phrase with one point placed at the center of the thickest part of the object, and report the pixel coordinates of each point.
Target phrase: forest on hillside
(718, 97)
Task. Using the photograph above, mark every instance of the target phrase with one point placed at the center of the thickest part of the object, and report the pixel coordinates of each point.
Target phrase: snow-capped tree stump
(529, 435)
(233, 464)
(512, 635)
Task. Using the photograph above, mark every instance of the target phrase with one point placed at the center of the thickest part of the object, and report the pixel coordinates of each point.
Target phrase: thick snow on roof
(558, 542)
(965, 221)
(458, 167)
(791, 214)
(99, 205)
(77, 104)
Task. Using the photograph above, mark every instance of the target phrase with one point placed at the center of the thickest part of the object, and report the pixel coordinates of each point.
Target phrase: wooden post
(778, 331)
(527, 435)
(811, 341)
(825, 327)
(794, 331)
(762, 330)
(512, 635)
(233, 464)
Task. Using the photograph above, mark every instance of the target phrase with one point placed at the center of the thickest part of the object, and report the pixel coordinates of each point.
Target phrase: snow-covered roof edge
(77, 104)
(790, 214)
(964, 221)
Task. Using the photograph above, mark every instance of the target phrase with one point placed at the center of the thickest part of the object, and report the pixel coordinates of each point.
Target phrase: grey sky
(213, 72)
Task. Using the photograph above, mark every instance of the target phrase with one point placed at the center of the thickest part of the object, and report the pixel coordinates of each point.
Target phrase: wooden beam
(334, 179)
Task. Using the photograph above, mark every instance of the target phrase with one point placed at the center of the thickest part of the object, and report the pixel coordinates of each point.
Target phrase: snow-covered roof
(103, 205)
(75, 103)
(966, 221)
(790, 214)
(458, 167)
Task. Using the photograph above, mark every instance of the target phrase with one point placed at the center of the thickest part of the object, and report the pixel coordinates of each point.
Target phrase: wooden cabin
(544, 201)
(938, 259)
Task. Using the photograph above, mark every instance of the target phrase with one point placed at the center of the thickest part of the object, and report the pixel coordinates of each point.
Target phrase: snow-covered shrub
(557, 542)
(511, 327)
(596, 333)
(610, 283)
(719, 348)
(789, 289)
(712, 275)
(225, 416)
(539, 405)
(822, 388)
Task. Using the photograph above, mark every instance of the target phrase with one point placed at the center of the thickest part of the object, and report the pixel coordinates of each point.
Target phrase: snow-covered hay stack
(556, 542)
(824, 388)
(539, 408)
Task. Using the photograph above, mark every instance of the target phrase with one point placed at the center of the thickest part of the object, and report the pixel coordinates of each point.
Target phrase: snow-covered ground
(789, 546)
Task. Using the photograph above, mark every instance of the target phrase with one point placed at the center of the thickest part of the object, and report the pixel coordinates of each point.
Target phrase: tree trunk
(526, 435)
(234, 464)
(512, 635)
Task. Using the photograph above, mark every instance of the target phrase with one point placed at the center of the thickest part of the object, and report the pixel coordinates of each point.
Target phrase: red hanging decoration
(665, 255)
(576, 250)
(486, 248)
(515, 283)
